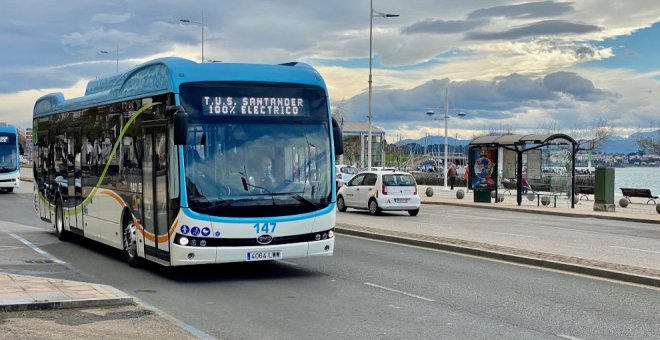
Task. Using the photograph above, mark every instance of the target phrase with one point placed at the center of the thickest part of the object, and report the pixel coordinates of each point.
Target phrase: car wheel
(413, 212)
(373, 207)
(341, 205)
(130, 244)
(59, 222)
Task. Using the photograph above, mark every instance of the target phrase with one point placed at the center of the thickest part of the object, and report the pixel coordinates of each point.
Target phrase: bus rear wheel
(59, 222)
(130, 244)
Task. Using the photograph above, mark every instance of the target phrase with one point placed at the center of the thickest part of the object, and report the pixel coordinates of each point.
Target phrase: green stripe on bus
(70, 211)
(85, 203)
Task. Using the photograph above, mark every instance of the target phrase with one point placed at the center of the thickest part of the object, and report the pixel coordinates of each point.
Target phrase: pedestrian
(452, 175)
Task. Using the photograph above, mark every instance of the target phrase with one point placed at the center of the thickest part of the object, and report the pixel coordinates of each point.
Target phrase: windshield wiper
(225, 203)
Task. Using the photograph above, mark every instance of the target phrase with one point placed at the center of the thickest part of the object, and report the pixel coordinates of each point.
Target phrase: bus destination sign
(4, 139)
(255, 106)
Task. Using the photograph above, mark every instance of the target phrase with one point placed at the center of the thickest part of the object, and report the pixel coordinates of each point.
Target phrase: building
(356, 139)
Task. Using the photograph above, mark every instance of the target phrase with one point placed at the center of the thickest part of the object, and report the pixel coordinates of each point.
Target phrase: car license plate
(264, 255)
(401, 200)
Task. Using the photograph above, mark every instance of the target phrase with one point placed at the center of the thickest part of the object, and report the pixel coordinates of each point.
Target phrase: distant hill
(430, 140)
(616, 144)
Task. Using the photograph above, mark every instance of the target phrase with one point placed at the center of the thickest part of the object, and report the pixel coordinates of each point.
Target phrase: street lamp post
(200, 23)
(371, 21)
(445, 118)
(117, 54)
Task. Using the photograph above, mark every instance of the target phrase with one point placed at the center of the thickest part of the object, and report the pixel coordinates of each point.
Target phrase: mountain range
(615, 144)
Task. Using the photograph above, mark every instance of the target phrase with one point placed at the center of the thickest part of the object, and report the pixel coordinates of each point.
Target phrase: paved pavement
(23, 293)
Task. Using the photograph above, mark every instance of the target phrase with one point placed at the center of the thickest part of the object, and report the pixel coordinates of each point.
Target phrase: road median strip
(626, 273)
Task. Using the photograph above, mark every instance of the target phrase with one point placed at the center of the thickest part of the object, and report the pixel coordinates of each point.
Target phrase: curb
(558, 213)
(118, 301)
(527, 260)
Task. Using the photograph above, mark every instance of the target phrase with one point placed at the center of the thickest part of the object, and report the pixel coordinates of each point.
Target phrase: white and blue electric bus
(185, 163)
(10, 167)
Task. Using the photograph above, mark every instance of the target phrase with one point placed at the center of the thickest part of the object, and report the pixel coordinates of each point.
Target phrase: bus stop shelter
(521, 144)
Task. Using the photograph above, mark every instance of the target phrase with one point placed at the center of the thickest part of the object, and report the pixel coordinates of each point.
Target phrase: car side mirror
(338, 138)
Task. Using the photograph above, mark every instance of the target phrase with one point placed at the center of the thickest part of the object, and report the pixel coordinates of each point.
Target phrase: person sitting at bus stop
(525, 186)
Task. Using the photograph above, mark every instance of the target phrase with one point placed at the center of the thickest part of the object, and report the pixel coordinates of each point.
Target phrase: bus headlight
(183, 241)
(331, 234)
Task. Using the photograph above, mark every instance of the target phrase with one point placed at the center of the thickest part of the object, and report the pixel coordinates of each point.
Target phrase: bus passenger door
(74, 185)
(154, 194)
(41, 166)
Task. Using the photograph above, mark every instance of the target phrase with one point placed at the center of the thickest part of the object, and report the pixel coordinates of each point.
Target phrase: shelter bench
(635, 192)
(584, 191)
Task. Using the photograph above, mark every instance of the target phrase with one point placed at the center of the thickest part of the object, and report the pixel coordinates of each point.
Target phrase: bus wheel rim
(129, 240)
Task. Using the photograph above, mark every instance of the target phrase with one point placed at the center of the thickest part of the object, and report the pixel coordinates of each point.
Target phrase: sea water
(637, 177)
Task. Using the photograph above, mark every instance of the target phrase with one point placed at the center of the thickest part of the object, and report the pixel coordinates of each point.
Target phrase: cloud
(442, 26)
(542, 28)
(513, 100)
(105, 18)
(524, 10)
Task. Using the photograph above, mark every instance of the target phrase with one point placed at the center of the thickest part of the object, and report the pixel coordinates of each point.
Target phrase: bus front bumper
(9, 182)
(185, 255)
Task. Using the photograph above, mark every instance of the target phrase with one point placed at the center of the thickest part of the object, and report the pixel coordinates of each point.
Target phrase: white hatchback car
(344, 174)
(380, 190)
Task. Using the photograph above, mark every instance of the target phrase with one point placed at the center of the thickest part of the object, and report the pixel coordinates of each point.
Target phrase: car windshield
(348, 170)
(398, 180)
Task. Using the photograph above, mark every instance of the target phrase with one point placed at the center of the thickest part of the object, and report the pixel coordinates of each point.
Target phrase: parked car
(344, 174)
(380, 190)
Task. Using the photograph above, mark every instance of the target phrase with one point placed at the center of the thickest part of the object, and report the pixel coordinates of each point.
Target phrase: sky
(508, 66)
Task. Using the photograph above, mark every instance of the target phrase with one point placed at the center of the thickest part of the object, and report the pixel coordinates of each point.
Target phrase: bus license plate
(264, 255)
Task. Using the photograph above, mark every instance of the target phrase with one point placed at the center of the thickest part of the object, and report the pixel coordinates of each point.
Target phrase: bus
(165, 162)
(10, 167)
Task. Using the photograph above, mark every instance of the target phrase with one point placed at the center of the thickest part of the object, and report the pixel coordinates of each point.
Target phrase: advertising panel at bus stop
(483, 168)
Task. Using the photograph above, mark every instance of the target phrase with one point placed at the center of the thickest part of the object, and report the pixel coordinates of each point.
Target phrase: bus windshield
(273, 161)
(8, 153)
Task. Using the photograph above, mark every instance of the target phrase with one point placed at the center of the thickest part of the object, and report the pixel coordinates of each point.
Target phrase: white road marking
(644, 250)
(37, 249)
(398, 291)
(518, 235)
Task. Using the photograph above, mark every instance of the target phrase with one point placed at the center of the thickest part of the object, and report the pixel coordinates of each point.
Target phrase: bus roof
(165, 75)
(8, 128)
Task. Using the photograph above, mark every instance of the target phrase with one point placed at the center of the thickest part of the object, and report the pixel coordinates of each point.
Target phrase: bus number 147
(268, 227)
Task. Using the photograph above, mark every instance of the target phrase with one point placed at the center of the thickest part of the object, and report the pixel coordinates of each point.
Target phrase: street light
(117, 53)
(372, 13)
(201, 23)
(445, 118)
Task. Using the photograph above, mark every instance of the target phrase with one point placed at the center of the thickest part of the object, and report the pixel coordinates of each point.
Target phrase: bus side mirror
(180, 121)
(337, 136)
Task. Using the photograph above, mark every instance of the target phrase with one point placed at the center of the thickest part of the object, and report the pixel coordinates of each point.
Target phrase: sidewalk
(638, 210)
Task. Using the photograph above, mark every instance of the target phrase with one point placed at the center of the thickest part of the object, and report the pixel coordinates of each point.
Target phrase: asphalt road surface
(367, 290)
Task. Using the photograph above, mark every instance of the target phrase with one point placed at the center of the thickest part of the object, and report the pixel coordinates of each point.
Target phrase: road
(368, 290)
(612, 241)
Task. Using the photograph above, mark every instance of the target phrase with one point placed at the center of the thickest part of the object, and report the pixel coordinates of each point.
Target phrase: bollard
(429, 192)
(623, 202)
(460, 194)
(545, 200)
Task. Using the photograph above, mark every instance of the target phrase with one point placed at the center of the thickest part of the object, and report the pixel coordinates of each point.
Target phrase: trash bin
(604, 190)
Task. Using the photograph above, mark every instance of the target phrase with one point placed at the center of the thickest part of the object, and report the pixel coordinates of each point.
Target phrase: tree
(594, 138)
(650, 144)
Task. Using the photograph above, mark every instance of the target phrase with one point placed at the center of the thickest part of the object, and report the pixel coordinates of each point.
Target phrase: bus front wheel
(130, 244)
